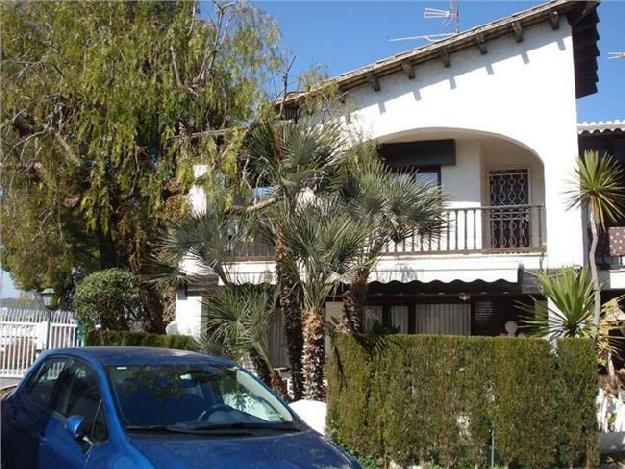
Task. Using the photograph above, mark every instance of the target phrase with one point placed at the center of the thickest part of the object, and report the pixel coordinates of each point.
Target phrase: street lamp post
(47, 296)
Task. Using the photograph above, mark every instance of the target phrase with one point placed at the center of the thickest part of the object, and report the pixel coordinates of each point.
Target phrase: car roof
(126, 355)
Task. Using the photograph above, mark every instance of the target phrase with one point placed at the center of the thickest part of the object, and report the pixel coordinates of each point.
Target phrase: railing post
(456, 229)
(540, 226)
(465, 229)
(48, 328)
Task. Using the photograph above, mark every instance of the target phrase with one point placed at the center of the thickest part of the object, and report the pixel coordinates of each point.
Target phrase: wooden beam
(589, 24)
(518, 31)
(585, 39)
(586, 64)
(588, 8)
(554, 19)
(445, 57)
(481, 43)
(373, 81)
(408, 68)
(587, 51)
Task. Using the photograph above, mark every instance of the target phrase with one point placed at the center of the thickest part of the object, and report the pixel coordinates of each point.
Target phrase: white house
(489, 114)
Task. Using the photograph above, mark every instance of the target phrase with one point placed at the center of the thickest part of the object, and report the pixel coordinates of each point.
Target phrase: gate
(25, 333)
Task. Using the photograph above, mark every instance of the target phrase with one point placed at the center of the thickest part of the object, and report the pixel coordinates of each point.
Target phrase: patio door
(443, 318)
(510, 224)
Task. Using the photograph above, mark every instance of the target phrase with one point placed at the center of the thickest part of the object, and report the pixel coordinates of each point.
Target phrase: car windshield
(194, 396)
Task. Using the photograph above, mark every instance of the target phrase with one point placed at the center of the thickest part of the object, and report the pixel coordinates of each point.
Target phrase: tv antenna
(450, 17)
(616, 55)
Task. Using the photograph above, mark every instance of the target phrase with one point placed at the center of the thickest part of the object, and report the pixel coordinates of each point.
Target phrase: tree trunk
(594, 273)
(313, 356)
(278, 385)
(289, 304)
(106, 250)
(261, 368)
(354, 303)
(152, 309)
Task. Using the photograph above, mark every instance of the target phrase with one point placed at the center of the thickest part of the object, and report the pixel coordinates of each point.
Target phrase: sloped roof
(582, 15)
(599, 127)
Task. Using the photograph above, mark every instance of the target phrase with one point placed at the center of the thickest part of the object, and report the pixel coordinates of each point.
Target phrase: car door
(79, 395)
(29, 414)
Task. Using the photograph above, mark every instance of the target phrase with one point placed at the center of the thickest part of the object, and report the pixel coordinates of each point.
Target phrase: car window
(41, 387)
(183, 394)
(79, 394)
(236, 394)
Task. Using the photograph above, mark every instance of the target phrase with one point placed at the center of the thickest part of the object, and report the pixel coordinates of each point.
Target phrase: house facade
(490, 115)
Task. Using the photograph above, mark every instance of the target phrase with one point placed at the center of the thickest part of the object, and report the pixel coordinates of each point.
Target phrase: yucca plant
(393, 206)
(599, 190)
(571, 293)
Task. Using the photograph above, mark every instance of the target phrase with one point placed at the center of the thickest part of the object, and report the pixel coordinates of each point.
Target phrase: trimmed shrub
(108, 297)
(577, 383)
(439, 400)
(522, 401)
(182, 342)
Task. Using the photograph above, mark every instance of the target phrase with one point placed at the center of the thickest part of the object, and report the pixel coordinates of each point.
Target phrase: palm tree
(238, 317)
(599, 190)
(326, 245)
(291, 159)
(394, 207)
(238, 320)
(207, 241)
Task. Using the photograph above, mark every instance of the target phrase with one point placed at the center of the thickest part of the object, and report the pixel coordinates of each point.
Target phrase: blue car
(141, 407)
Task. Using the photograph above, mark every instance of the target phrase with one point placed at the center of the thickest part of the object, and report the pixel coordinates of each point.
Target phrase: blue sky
(344, 35)
(7, 289)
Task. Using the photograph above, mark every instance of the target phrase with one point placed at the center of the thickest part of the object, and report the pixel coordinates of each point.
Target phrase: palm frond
(599, 186)
(326, 243)
(238, 320)
(396, 206)
(206, 241)
(291, 156)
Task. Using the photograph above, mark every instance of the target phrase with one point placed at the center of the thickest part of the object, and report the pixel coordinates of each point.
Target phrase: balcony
(490, 229)
(508, 229)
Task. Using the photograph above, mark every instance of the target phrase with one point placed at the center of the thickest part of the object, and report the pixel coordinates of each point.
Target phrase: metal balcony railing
(500, 228)
(492, 229)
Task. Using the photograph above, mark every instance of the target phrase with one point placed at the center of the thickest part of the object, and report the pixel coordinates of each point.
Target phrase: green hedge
(436, 399)
(182, 342)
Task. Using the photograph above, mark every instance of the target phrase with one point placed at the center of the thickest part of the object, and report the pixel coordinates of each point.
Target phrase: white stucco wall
(188, 314)
(524, 92)
(189, 307)
(462, 181)
(512, 107)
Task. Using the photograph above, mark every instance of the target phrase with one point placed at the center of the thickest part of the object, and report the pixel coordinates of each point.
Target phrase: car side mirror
(77, 426)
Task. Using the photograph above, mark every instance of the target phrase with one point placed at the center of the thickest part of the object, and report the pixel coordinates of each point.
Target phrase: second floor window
(428, 175)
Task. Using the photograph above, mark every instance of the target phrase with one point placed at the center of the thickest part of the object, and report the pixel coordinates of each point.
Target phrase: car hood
(301, 450)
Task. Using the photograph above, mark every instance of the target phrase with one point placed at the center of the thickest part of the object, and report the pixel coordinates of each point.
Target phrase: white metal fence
(25, 333)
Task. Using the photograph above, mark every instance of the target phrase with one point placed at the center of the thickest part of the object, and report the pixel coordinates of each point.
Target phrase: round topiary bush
(108, 298)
